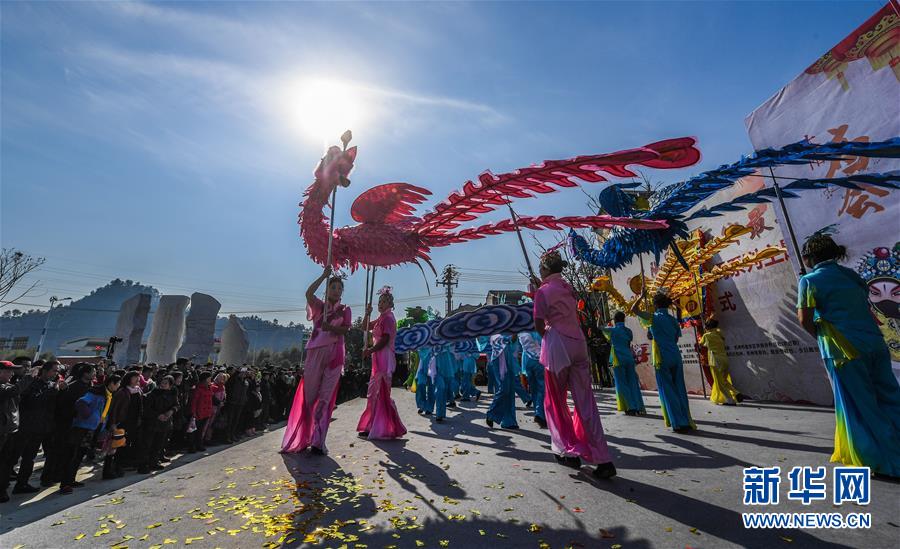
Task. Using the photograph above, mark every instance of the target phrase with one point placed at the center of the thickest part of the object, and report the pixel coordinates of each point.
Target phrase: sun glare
(323, 109)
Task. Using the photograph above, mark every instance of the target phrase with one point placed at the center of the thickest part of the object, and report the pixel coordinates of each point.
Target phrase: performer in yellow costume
(723, 392)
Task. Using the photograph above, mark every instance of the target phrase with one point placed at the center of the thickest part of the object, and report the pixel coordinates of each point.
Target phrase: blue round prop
(465, 346)
(493, 319)
(524, 321)
(410, 339)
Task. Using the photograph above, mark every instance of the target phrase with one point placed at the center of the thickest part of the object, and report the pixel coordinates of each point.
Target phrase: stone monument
(167, 330)
(199, 329)
(130, 327)
(235, 344)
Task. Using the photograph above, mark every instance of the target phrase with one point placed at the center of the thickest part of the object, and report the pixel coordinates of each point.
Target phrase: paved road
(459, 483)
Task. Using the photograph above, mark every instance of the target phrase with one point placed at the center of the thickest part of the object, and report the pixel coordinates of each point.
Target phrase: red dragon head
(335, 166)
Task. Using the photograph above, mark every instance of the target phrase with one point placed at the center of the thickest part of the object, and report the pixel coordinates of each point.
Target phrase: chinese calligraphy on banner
(852, 93)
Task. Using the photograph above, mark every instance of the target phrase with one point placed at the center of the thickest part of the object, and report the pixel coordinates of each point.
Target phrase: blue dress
(503, 406)
(442, 382)
(469, 369)
(533, 370)
(866, 393)
(628, 387)
(424, 383)
(669, 369)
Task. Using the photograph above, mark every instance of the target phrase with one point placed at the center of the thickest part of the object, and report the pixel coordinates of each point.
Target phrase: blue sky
(163, 142)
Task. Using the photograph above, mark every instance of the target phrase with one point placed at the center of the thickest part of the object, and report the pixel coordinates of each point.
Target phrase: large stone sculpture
(130, 327)
(234, 343)
(199, 328)
(168, 329)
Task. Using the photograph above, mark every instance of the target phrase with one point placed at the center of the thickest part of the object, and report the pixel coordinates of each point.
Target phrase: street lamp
(40, 347)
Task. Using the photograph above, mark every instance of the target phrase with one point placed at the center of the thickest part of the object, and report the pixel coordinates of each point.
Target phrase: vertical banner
(852, 93)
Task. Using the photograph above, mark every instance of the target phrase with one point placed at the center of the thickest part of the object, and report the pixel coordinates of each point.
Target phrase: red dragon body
(388, 233)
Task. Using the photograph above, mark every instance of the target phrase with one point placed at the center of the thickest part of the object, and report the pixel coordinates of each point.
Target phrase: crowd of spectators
(132, 419)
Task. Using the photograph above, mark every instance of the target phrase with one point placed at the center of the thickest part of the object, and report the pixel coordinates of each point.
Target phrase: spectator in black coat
(237, 389)
(160, 406)
(128, 455)
(77, 385)
(9, 420)
(36, 411)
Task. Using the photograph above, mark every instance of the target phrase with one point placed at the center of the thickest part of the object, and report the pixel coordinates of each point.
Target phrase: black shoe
(315, 450)
(439, 419)
(630, 412)
(427, 413)
(46, 483)
(421, 412)
(730, 404)
(740, 398)
(451, 404)
(165, 460)
(569, 461)
(157, 467)
(77, 484)
(143, 470)
(201, 449)
(682, 430)
(605, 470)
(363, 434)
(478, 397)
(4, 497)
(25, 489)
(541, 422)
(489, 422)
(512, 427)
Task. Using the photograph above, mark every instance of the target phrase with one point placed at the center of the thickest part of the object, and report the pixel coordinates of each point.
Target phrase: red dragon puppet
(388, 233)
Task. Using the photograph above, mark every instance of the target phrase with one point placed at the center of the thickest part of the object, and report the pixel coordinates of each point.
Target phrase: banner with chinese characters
(771, 357)
(852, 93)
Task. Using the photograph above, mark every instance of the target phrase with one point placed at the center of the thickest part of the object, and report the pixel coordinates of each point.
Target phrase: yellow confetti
(444, 543)
(787, 539)
(189, 541)
(20, 546)
(79, 536)
(694, 531)
(420, 543)
(152, 526)
(58, 523)
(534, 528)
(145, 537)
(669, 529)
(179, 496)
(168, 541)
(616, 546)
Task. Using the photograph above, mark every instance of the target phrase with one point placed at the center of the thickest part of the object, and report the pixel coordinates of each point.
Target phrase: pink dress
(314, 400)
(380, 418)
(567, 367)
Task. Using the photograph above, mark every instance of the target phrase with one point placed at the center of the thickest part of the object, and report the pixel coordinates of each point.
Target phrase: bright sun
(324, 109)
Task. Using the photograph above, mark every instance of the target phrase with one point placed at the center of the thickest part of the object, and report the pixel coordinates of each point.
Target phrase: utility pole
(449, 279)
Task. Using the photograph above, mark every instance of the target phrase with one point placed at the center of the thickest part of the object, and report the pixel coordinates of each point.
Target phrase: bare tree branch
(14, 265)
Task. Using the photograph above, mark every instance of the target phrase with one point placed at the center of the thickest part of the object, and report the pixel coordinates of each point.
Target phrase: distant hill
(95, 316)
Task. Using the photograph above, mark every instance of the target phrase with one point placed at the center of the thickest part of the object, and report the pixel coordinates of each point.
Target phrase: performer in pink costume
(564, 355)
(380, 419)
(314, 400)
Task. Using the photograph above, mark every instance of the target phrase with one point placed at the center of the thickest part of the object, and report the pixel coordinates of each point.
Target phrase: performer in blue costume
(453, 382)
(425, 382)
(469, 369)
(533, 371)
(628, 388)
(667, 360)
(442, 381)
(833, 306)
(490, 370)
(503, 359)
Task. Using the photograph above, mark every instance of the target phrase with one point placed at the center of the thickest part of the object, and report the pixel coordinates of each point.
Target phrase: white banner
(852, 93)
